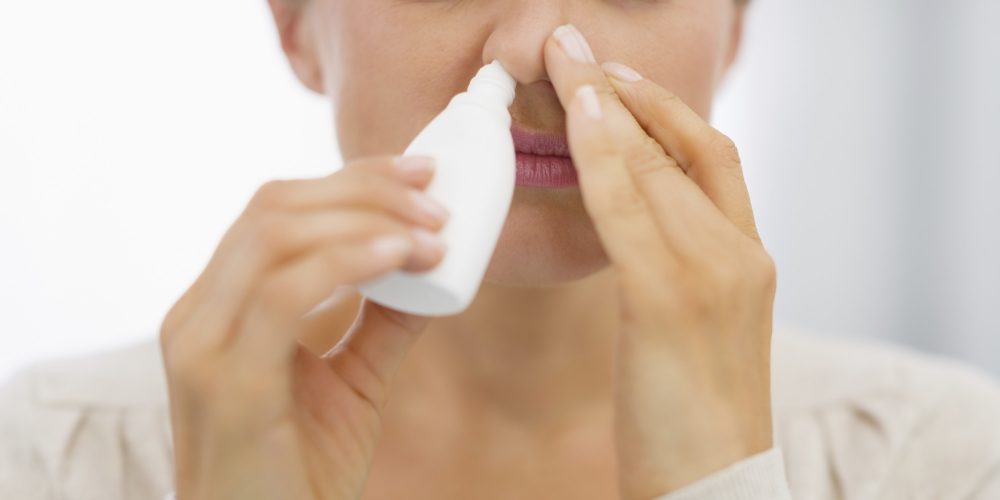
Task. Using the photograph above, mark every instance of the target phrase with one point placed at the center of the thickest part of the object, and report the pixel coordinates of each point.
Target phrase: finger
(261, 245)
(270, 323)
(621, 215)
(709, 158)
(620, 212)
(415, 170)
(356, 186)
(370, 353)
(271, 227)
(326, 324)
(637, 165)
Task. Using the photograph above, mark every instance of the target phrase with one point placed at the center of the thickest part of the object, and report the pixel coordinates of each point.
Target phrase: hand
(696, 287)
(254, 414)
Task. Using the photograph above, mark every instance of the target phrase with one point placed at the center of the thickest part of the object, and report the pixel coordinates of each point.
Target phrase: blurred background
(133, 133)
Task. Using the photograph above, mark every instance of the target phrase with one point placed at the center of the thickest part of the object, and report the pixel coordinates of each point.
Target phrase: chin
(547, 240)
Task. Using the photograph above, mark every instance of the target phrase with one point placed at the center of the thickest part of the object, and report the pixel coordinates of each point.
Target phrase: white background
(133, 133)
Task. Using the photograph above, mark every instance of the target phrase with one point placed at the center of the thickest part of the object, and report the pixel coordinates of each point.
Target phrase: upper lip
(539, 142)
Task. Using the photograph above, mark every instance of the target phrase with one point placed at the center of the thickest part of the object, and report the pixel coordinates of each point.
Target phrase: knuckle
(733, 275)
(185, 351)
(171, 322)
(646, 158)
(621, 202)
(664, 100)
(764, 270)
(271, 194)
(186, 366)
(270, 233)
(724, 147)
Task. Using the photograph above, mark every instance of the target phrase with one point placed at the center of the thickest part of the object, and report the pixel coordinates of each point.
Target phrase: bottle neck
(494, 107)
(491, 90)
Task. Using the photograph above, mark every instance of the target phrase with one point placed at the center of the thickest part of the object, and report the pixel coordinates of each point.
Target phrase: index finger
(620, 212)
(625, 175)
(708, 157)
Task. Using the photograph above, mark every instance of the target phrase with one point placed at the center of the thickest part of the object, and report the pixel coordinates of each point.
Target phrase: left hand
(667, 197)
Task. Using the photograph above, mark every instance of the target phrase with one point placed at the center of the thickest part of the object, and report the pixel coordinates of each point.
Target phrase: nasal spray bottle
(471, 144)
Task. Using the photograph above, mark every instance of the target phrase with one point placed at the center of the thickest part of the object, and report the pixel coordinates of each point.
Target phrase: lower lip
(545, 171)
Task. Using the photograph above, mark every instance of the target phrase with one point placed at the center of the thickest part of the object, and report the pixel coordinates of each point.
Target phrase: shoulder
(96, 425)
(865, 419)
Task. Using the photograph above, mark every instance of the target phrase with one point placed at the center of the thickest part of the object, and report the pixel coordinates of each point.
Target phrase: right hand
(254, 414)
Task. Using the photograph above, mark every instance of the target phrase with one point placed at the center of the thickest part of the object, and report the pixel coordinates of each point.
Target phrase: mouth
(543, 159)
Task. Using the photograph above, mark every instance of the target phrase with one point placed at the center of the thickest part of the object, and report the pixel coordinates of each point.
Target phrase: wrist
(689, 455)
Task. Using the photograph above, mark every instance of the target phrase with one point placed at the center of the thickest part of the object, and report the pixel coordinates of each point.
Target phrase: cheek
(685, 61)
(378, 64)
(396, 77)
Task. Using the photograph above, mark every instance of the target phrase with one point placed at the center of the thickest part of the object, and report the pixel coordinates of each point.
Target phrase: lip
(543, 159)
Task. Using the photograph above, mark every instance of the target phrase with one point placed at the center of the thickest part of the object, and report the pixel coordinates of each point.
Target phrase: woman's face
(389, 66)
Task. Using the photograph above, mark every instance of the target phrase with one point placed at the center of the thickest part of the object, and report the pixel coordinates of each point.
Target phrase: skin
(622, 334)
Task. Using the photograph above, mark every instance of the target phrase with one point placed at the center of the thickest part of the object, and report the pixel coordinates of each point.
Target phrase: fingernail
(429, 206)
(573, 43)
(414, 164)
(621, 71)
(391, 245)
(591, 105)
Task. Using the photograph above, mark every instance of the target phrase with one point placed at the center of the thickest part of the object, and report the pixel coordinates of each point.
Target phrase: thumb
(369, 354)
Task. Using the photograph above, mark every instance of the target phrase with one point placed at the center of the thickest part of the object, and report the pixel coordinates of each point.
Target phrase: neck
(534, 357)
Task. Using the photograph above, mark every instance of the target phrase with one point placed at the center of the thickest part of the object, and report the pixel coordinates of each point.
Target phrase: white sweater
(853, 420)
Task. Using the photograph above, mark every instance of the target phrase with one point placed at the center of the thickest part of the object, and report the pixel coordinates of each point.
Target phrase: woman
(620, 346)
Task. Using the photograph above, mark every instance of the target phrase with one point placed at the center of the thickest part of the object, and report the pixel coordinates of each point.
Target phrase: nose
(519, 33)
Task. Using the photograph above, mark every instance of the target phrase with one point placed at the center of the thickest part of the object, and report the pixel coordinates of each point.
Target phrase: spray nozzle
(493, 81)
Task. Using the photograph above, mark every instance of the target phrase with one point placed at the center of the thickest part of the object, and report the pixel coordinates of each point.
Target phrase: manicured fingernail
(392, 245)
(573, 43)
(429, 206)
(621, 71)
(414, 164)
(591, 105)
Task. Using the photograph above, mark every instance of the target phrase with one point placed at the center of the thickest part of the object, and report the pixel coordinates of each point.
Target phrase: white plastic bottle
(474, 179)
